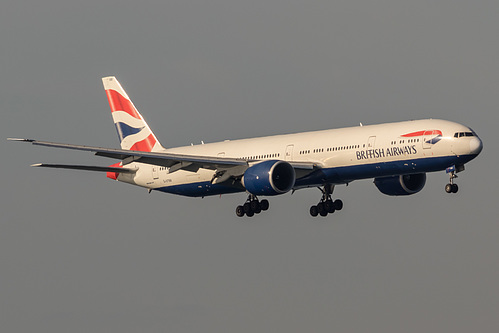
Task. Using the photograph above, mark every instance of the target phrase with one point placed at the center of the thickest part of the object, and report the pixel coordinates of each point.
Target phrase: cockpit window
(463, 134)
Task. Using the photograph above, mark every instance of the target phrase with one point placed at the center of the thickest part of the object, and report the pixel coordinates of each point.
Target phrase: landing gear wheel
(313, 211)
(257, 209)
(455, 188)
(338, 204)
(255, 206)
(247, 208)
(323, 213)
(250, 213)
(329, 205)
(448, 188)
(240, 211)
(321, 209)
(264, 204)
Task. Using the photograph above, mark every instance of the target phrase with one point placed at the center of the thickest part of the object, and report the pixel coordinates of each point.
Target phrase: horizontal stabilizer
(22, 140)
(85, 167)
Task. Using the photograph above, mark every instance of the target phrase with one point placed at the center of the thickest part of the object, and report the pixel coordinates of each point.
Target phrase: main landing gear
(326, 205)
(252, 206)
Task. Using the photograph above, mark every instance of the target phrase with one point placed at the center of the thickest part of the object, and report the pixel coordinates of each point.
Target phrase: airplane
(396, 155)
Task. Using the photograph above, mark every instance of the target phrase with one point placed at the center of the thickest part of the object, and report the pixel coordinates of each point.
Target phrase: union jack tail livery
(133, 131)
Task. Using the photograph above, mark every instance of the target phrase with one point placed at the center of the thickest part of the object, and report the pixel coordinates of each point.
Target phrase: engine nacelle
(271, 177)
(401, 185)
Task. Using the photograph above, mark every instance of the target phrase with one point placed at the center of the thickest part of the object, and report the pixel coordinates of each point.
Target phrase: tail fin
(133, 131)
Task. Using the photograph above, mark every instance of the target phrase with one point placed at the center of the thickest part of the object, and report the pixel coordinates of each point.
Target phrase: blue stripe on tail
(125, 130)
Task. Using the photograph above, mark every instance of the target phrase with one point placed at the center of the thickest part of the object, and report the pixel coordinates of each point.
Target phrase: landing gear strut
(326, 205)
(252, 206)
(451, 187)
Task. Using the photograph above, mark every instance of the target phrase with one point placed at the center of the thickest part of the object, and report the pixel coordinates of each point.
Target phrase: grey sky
(80, 253)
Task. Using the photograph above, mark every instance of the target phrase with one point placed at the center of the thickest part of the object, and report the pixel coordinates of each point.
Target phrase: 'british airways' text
(385, 152)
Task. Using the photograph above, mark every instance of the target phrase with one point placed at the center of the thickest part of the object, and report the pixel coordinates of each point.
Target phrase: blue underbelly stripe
(336, 175)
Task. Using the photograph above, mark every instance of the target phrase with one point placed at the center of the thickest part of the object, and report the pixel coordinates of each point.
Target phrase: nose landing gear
(451, 187)
(326, 205)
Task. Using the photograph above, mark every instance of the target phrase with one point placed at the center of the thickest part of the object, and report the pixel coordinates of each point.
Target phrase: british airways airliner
(396, 155)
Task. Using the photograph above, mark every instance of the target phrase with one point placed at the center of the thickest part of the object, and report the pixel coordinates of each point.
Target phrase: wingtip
(36, 165)
(21, 140)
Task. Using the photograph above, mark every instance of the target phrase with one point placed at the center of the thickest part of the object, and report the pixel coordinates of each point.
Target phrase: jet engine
(270, 177)
(401, 185)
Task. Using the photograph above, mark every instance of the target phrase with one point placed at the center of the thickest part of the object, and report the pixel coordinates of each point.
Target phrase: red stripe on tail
(119, 103)
(145, 145)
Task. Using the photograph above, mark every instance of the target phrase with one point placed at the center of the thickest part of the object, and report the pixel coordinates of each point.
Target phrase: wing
(154, 158)
(173, 161)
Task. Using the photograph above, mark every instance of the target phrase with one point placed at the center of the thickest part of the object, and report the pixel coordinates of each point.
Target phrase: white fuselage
(344, 155)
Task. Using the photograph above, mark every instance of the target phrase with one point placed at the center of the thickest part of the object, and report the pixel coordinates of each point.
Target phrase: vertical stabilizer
(133, 131)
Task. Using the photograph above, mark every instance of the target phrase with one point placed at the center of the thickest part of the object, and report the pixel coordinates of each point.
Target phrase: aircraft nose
(476, 146)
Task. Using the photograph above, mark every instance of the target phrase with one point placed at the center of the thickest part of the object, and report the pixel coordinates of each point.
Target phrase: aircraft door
(155, 174)
(289, 153)
(371, 142)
